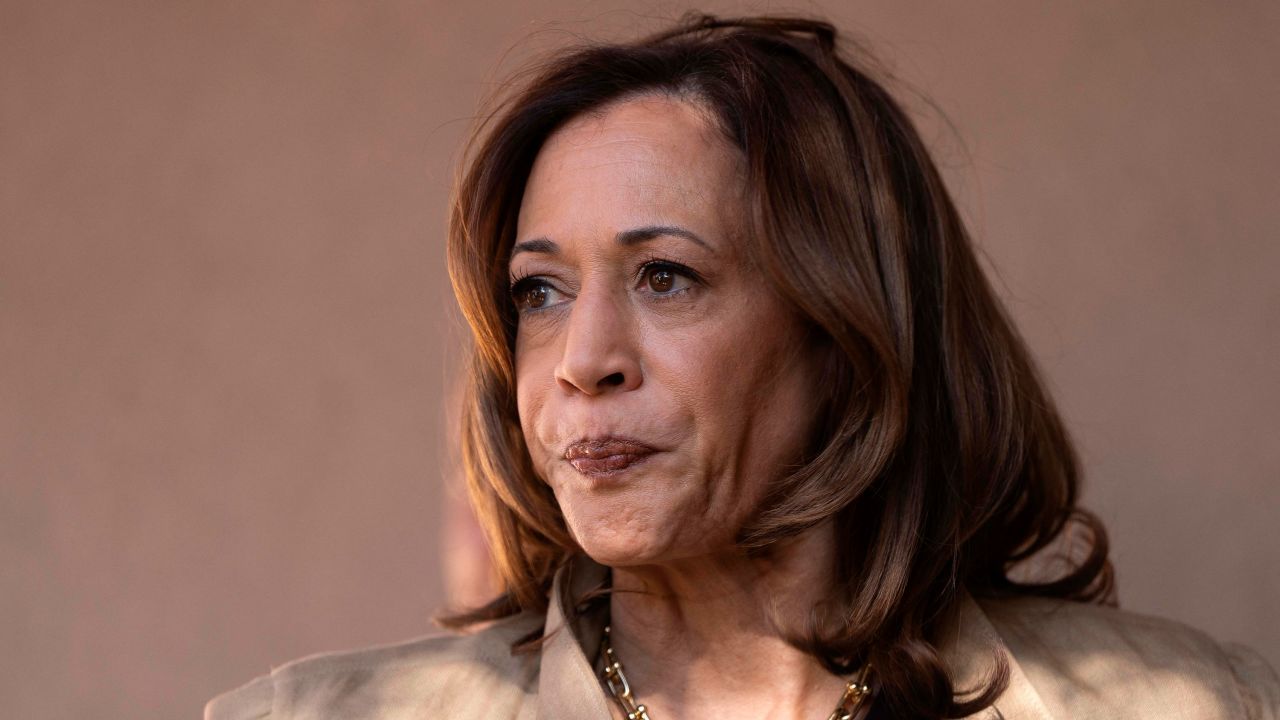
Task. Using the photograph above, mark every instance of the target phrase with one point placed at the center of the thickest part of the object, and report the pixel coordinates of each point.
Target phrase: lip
(607, 455)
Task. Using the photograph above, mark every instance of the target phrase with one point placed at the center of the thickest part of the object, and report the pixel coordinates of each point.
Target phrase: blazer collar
(570, 689)
(971, 648)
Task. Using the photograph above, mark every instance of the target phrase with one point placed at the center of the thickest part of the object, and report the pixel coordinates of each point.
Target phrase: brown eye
(534, 297)
(533, 294)
(661, 280)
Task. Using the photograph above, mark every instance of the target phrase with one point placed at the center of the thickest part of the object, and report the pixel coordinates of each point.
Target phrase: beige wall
(225, 329)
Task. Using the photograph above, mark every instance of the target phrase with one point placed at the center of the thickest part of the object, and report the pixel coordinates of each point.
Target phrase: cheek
(751, 390)
(730, 377)
(533, 386)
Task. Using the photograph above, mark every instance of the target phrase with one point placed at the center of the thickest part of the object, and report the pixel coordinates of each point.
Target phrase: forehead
(635, 162)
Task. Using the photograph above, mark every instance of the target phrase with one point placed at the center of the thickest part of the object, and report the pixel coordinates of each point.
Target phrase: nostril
(614, 379)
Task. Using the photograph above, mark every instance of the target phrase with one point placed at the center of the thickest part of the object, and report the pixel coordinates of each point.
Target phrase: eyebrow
(625, 238)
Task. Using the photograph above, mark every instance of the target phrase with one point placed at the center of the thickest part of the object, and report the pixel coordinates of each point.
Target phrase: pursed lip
(606, 455)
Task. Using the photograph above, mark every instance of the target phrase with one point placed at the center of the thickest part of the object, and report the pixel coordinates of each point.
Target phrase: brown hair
(940, 460)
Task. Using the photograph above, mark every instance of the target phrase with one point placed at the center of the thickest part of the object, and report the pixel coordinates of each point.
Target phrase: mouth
(606, 456)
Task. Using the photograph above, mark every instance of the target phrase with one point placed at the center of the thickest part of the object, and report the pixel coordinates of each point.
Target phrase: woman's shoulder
(1089, 660)
(435, 676)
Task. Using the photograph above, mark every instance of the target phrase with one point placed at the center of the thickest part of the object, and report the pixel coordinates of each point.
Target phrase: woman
(748, 430)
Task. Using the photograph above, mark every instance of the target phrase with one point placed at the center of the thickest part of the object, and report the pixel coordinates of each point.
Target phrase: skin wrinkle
(717, 378)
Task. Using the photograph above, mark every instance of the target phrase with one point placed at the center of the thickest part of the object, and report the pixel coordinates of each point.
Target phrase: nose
(600, 347)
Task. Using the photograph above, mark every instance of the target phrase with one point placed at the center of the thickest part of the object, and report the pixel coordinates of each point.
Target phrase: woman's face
(661, 383)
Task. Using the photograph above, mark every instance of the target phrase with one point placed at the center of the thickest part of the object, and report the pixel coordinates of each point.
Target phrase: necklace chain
(856, 690)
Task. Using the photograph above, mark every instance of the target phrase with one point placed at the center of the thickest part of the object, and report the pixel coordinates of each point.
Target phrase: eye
(533, 293)
(665, 278)
(661, 280)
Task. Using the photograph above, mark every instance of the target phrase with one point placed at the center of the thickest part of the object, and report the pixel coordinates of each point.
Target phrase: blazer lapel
(971, 648)
(567, 685)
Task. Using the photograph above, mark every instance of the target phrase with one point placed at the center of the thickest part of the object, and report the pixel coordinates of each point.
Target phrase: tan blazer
(1067, 660)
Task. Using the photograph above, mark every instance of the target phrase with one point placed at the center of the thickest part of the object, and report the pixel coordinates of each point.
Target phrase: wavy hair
(940, 459)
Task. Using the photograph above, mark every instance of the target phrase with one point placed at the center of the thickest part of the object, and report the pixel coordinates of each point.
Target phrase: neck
(703, 637)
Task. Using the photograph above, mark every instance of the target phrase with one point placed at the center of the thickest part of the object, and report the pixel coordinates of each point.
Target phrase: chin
(614, 554)
(618, 539)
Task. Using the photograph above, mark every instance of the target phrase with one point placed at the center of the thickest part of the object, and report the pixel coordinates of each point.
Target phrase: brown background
(226, 333)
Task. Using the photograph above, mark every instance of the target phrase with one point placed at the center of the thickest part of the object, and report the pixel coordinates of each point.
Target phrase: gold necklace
(855, 690)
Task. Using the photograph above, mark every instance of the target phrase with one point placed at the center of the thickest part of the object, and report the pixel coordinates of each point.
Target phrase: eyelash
(522, 283)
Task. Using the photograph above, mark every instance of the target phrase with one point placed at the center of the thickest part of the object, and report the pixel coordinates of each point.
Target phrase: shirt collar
(570, 689)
